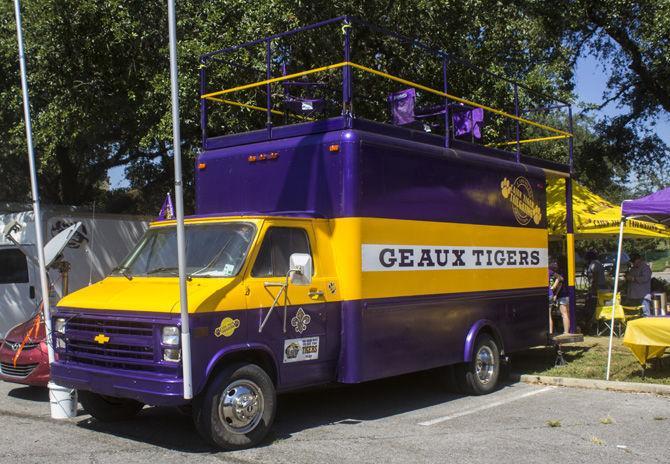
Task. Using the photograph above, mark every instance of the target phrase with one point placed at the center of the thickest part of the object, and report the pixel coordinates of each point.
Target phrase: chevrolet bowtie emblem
(101, 338)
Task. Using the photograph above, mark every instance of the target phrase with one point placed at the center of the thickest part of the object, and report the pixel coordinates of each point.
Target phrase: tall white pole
(179, 207)
(616, 289)
(39, 237)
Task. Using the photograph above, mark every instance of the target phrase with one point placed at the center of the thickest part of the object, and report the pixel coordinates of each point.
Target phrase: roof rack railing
(348, 66)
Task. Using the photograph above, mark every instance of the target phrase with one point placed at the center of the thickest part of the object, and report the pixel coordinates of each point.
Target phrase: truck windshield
(212, 250)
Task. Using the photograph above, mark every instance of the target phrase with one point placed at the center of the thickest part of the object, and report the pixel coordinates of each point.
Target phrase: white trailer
(102, 241)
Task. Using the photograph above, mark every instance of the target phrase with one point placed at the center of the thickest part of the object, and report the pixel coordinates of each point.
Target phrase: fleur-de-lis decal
(300, 321)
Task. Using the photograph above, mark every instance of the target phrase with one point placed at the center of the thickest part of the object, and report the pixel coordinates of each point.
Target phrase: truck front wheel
(109, 409)
(480, 376)
(237, 409)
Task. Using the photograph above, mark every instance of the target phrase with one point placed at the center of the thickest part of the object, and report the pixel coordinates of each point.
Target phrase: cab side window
(277, 247)
(13, 267)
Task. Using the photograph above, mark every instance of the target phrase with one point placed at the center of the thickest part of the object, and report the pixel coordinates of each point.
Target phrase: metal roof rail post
(203, 102)
(518, 128)
(347, 110)
(447, 135)
(268, 88)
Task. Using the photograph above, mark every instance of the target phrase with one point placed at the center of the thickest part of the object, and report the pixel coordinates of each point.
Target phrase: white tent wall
(96, 249)
(102, 242)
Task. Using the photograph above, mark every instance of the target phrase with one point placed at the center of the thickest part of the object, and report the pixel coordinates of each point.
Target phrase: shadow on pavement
(29, 393)
(298, 411)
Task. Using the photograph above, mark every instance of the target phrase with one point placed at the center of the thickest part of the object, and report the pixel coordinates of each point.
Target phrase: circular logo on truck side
(520, 195)
(227, 328)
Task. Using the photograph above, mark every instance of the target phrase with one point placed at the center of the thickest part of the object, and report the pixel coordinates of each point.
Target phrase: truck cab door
(291, 320)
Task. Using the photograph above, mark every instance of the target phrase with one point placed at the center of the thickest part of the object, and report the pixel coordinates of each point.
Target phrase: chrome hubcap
(241, 406)
(485, 364)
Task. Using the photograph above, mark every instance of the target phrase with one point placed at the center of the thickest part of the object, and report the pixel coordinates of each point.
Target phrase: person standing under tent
(558, 291)
(595, 274)
(639, 283)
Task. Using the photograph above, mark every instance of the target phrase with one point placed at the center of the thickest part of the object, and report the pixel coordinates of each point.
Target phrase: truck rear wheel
(109, 409)
(237, 409)
(480, 376)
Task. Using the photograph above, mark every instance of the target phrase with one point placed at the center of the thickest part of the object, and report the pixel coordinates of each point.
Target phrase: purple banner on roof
(402, 106)
(469, 122)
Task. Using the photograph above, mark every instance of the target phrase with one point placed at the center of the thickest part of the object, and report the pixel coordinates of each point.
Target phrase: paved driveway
(403, 420)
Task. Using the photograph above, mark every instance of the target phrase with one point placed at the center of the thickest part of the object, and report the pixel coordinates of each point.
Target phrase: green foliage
(99, 80)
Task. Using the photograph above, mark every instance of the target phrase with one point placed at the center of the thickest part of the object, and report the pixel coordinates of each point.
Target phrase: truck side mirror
(300, 265)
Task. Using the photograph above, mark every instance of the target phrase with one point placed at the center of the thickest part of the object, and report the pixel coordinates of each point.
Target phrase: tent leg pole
(570, 253)
(614, 299)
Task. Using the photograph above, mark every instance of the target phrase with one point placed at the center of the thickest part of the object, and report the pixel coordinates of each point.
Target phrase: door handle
(31, 292)
(315, 294)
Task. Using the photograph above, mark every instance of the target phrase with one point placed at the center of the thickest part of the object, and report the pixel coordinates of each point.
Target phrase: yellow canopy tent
(594, 217)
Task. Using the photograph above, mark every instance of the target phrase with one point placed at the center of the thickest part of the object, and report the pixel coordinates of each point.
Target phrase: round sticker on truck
(227, 328)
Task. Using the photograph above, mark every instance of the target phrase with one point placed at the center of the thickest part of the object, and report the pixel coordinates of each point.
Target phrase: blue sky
(590, 80)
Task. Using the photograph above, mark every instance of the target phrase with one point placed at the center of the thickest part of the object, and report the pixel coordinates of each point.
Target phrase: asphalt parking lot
(402, 420)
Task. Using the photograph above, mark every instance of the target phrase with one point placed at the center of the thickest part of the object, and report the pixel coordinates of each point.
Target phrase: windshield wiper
(172, 270)
(124, 272)
(213, 261)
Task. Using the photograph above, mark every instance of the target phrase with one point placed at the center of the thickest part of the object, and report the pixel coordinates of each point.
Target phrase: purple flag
(167, 210)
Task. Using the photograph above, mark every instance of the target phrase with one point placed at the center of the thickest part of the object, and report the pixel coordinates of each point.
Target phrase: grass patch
(554, 423)
(606, 421)
(588, 360)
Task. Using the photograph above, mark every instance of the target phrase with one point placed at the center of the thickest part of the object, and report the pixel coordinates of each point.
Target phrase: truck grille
(126, 344)
(21, 370)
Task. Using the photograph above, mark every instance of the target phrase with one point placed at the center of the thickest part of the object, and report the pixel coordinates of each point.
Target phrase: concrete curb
(594, 384)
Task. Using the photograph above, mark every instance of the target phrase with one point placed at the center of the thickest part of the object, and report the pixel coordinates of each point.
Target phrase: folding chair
(303, 105)
(603, 314)
(466, 120)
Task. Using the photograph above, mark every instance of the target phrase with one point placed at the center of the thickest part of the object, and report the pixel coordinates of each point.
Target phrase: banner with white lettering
(433, 258)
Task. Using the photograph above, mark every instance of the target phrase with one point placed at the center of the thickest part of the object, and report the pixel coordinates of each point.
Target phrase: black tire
(107, 408)
(247, 385)
(475, 377)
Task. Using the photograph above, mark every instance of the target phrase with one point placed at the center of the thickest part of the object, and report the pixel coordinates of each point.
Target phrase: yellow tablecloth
(648, 337)
(605, 312)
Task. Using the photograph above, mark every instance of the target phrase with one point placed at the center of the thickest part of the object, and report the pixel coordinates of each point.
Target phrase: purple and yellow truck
(335, 249)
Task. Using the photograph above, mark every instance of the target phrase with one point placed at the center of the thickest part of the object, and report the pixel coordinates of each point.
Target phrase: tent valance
(594, 217)
(655, 206)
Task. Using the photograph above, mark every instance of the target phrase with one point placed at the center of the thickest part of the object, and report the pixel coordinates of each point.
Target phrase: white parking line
(486, 406)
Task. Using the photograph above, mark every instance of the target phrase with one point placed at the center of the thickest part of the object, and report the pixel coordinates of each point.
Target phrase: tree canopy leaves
(99, 79)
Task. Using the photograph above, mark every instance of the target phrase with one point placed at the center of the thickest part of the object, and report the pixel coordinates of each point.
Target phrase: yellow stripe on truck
(352, 236)
(364, 255)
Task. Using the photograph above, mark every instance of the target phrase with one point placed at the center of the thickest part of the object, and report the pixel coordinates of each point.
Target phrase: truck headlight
(59, 328)
(170, 336)
(172, 354)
